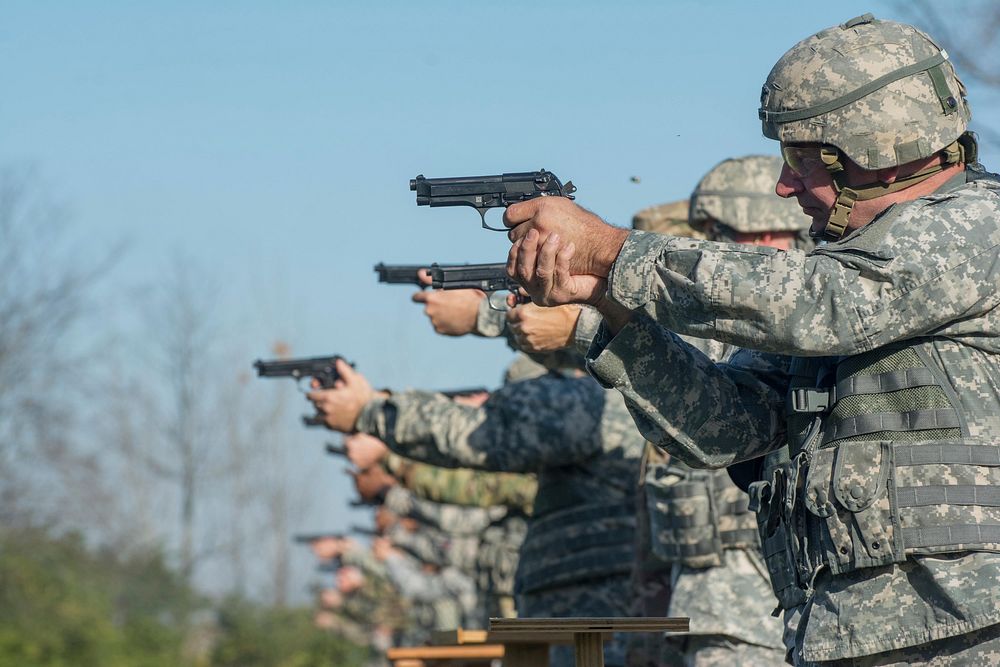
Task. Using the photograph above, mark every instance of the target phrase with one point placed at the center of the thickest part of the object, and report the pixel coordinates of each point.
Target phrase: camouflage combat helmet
(739, 194)
(881, 93)
(670, 218)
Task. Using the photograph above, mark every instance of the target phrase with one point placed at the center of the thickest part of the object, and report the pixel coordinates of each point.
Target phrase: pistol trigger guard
(493, 305)
(482, 214)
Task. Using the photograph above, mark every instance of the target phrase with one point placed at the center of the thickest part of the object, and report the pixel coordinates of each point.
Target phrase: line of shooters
(541, 498)
(851, 388)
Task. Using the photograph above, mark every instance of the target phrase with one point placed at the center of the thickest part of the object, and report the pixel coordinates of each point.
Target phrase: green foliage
(63, 605)
(291, 639)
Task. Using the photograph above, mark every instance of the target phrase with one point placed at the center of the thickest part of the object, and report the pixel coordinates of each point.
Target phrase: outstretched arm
(523, 427)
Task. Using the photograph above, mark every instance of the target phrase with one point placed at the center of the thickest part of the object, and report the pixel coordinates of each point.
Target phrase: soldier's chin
(818, 226)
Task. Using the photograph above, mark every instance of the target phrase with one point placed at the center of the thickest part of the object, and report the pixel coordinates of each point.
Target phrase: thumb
(346, 373)
(420, 297)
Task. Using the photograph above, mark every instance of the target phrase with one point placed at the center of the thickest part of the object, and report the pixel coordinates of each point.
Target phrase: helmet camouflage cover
(882, 92)
(670, 218)
(739, 193)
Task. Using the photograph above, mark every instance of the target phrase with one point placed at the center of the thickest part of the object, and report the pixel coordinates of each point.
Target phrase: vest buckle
(810, 400)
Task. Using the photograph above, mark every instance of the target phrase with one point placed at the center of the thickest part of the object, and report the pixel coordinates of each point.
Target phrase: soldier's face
(813, 188)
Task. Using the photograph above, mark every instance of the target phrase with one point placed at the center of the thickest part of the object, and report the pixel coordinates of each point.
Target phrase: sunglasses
(804, 160)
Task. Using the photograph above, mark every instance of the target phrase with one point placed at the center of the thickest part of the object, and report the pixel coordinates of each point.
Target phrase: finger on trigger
(520, 212)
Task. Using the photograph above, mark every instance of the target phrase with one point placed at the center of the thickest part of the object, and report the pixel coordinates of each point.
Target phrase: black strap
(740, 536)
(916, 420)
(951, 535)
(954, 454)
(883, 383)
(941, 494)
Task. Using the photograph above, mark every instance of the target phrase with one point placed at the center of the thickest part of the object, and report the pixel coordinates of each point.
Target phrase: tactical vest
(499, 551)
(695, 514)
(571, 540)
(881, 465)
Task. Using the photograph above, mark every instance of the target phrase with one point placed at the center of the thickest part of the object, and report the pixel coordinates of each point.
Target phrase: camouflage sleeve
(361, 558)
(523, 427)
(452, 519)
(405, 574)
(490, 323)
(587, 324)
(470, 488)
(704, 413)
(427, 544)
(928, 267)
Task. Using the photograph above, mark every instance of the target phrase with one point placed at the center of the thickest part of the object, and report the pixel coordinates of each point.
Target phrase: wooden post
(589, 649)
(526, 655)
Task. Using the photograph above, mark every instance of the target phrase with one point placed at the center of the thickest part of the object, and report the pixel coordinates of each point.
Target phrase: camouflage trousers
(605, 597)
(651, 597)
(721, 651)
(980, 648)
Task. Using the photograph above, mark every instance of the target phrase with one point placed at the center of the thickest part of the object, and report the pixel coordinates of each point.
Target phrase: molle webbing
(886, 470)
(693, 519)
(572, 545)
(928, 535)
(897, 397)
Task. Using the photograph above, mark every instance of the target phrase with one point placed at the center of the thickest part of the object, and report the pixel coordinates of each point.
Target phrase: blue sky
(272, 143)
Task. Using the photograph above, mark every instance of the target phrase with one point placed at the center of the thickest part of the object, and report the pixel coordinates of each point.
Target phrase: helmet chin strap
(849, 195)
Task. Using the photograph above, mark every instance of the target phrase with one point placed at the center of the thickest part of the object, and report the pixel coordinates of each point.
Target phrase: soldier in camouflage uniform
(875, 390)
(578, 439)
(463, 487)
(498, 543)
(701, 522)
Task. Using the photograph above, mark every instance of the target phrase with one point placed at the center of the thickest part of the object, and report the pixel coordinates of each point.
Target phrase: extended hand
(364, 450)
(372, 482)
(451, 312)
(538, 329)
(341, 405)
(596, 242)
(543, 270)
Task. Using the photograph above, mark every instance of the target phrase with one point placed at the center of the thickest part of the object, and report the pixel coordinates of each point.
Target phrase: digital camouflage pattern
(725, 591)
(587, 323)
(739, 194)
(578, 438)
(495, 555)
(922, 275)
(449, 518)
(377, 602)
(669, 218)
(903, 121)
(450, 594)
(490, 322)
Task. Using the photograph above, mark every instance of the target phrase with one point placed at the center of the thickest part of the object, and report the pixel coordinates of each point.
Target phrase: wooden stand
(586, 634)
(525, 642)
